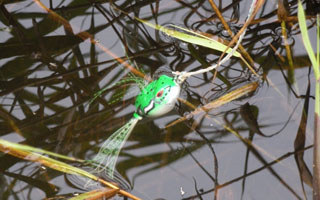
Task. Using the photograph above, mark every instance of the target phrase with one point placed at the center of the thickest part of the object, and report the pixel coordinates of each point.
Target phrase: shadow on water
(49, 73)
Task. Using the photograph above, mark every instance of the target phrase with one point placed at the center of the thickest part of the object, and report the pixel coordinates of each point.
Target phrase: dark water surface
(48, 74)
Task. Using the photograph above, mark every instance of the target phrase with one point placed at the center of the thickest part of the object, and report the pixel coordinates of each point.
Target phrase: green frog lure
(156, 99)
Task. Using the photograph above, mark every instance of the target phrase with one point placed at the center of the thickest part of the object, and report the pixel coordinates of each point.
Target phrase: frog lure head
(157, 98)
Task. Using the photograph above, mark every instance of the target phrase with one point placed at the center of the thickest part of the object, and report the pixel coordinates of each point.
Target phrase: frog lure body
(156, 99)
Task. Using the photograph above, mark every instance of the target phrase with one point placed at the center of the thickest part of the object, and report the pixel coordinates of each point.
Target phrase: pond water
(49, 73)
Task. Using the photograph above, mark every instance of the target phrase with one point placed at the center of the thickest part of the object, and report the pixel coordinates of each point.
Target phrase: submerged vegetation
(243, 126)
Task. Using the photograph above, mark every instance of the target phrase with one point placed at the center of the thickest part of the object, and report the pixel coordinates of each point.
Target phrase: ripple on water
(280, 37)
(168, 39)
(86, 184)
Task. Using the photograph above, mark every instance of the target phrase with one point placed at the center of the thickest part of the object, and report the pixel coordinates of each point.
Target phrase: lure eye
(160, 93)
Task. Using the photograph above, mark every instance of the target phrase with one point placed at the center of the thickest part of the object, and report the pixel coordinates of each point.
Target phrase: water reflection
(47, 75)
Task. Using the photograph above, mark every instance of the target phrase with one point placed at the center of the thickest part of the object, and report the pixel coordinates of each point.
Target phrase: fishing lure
(156, 99)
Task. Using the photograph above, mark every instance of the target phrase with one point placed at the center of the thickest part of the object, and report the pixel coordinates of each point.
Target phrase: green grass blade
(315, 65)
(195, 38)
(29, 153)
(306, 40)
(36, 150)
(318, 38)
